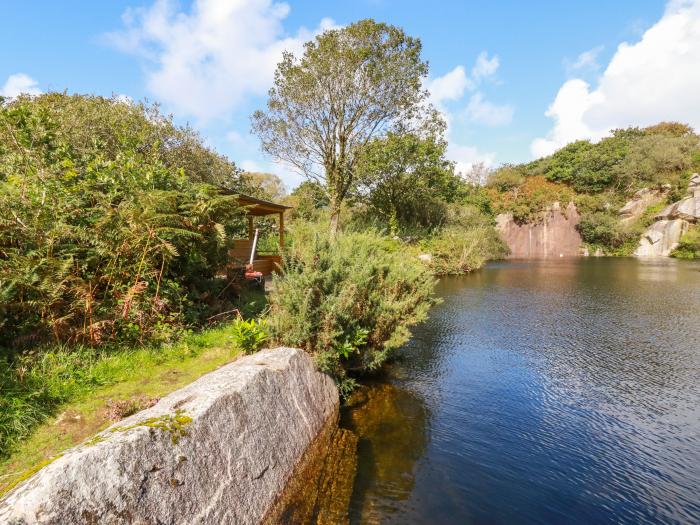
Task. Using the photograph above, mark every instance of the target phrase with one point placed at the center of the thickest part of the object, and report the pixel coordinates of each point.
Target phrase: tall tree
(406, 179)
(350, 86)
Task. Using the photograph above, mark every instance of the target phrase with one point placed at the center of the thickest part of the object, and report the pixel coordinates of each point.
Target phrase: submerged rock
(220, 450)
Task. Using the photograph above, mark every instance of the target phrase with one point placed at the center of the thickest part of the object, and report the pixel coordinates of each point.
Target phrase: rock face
(554, 234)
(634, 208)
(220, 450)
(663, 236)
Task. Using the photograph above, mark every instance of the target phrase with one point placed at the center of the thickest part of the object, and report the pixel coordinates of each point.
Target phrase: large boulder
(220, 450)
(661, 238)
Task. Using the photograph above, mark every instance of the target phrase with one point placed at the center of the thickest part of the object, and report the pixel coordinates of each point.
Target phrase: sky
(515, 80)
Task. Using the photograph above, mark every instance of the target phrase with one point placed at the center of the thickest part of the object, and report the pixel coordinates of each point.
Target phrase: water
(541, 392)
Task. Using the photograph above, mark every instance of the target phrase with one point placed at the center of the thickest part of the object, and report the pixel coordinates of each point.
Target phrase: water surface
(549, 392)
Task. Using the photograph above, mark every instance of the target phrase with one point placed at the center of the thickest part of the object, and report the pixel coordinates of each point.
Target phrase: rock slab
(221, 450)
(552, 234)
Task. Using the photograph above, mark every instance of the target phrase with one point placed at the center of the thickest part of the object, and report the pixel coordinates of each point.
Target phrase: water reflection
(542, 392)
(392, 428)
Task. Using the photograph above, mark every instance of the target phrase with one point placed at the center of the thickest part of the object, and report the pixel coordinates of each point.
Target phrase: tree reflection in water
(392, 426)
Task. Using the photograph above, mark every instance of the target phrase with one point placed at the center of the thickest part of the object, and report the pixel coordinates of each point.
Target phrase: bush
(456, 251)
(505, 178)
(604, 229)
(532, 197)
(249, 335)
(465, 244)
(110, 226)
(349, 302)
(689, 246)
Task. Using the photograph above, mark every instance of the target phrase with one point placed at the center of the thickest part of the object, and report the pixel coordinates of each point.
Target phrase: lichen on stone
(94, 440)
(174, 424)
(27, 474)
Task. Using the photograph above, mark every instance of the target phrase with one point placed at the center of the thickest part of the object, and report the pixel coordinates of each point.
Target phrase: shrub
(249, 335)
(505, 178)
(110, 227)
(350, 302)
(465, 244)
(455, 250)
(689, 246)
(531, 198)
(604, 228)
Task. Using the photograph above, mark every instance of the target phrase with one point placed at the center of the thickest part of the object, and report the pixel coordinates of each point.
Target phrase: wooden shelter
(240, 254)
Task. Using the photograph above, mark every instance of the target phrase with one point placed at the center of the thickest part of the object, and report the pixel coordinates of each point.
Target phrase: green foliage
(349, 302)
(35, 384)
(249, 335)
(307, 200)
(407, 181)
(111, 228)
(506, 178)
(533, 196)
(604, 228)
(351, 85)
(630, 159)
(353, 343)
(465, 244)
(689, 246)
(600, 178)
(657, 159)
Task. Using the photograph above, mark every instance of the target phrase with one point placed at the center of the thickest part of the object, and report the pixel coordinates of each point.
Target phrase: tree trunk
(335, 218)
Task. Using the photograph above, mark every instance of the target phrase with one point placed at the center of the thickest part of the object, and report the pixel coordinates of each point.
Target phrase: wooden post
(251, 231)
(281, 229)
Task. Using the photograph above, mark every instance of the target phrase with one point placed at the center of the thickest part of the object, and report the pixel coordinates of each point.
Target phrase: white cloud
(484, 112)
(485, 67)
(207, 61)
(19, 83)
(655, 79)
(450, 86)
(465, 157)
(586, 61)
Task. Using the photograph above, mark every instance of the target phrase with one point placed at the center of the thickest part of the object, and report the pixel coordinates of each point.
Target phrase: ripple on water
(541, 392)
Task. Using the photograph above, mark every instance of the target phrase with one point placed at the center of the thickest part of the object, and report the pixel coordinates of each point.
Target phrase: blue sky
(498, 66)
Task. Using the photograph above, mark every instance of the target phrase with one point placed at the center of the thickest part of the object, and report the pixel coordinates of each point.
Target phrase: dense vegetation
(349, 301)
(113, 233)
(112, 226)
(600, 177)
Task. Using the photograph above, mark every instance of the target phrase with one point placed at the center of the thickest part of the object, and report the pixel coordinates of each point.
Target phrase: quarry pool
(544, 392)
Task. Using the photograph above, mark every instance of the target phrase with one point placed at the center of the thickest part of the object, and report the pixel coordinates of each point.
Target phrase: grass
(63, 397)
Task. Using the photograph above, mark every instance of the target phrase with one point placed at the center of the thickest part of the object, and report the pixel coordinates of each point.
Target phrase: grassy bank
(73, 395)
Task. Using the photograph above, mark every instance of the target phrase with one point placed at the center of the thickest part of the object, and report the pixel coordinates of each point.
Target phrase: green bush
(350, 302)
(111, 227)
(506, 178)
(689, 246)
(533, 196)
(249, 335)
(465, 244)
(603, 228)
